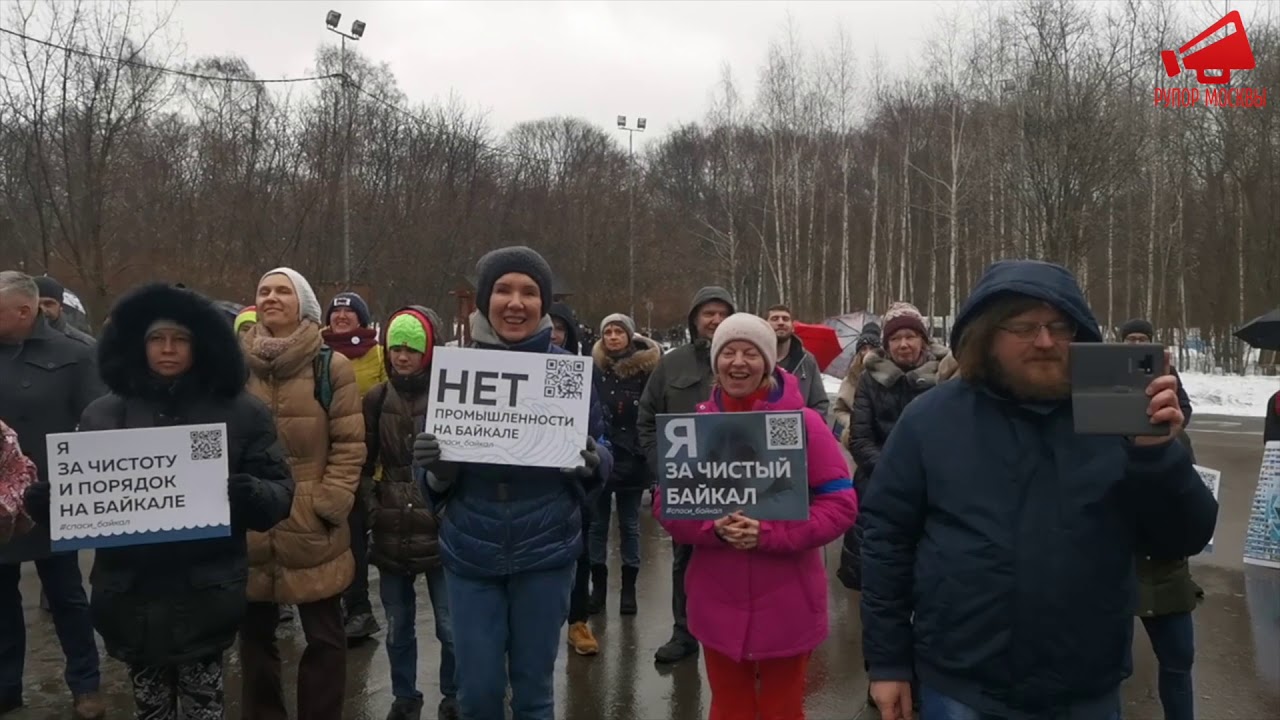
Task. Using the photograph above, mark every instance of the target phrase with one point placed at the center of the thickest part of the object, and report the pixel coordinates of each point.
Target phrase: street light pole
(631, 207)
(357, 32)
(346, 171)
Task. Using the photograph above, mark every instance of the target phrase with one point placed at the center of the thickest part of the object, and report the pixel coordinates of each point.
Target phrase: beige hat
(753, 329)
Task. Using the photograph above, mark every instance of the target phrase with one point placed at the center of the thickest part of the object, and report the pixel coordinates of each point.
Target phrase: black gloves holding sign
(591, 459)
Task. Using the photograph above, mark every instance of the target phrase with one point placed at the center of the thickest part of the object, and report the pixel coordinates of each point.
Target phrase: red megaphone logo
(1214, 62)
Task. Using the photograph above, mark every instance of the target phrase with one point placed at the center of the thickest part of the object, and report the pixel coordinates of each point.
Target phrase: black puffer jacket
(883, 393)
(620, 383)
(175, 602)
(406, 532)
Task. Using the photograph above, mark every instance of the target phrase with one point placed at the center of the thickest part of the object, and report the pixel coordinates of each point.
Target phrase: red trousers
(751, 690)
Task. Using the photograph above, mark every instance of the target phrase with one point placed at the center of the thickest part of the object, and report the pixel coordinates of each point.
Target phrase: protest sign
(1213, 480)
(138, 487)
(510, 408)
(1262, 539)
(713, 464)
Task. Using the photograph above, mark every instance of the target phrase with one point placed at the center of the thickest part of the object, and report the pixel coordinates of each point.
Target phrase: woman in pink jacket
(757, 589)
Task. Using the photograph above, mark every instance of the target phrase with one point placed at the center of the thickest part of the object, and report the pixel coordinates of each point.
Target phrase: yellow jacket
(371, 369)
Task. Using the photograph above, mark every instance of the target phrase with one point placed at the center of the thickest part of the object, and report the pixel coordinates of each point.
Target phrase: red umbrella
(821, 341)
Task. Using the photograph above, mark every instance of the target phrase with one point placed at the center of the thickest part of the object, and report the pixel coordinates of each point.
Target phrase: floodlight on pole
(641, 123)
(331, 21)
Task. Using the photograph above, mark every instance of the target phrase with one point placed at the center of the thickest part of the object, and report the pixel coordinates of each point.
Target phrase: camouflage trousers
(190, 691)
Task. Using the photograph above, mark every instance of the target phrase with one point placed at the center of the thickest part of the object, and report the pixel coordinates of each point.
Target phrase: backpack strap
(320, 367)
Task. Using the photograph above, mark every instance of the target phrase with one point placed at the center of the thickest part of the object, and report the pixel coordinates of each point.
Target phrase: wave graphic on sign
(542, 444)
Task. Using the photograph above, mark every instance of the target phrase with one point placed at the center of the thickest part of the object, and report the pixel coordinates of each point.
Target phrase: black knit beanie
(1137, 325)
(49, 288)
(514, 259)
(352, 301)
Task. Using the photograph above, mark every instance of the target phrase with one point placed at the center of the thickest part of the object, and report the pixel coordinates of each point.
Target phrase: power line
(421, 121)
(162, 69)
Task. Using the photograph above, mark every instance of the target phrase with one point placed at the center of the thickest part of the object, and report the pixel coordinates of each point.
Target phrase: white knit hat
(753, 329)
(308, 305)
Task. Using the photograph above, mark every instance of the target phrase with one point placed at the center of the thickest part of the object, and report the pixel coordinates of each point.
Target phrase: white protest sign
(138, 487)
(1212, 480)
(510, 408)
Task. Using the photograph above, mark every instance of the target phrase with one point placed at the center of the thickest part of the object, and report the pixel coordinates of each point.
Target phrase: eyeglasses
(1059, 330)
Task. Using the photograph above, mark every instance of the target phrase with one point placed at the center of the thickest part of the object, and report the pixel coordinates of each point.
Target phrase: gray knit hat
(165, 324)
(514, 259)
(619, 319)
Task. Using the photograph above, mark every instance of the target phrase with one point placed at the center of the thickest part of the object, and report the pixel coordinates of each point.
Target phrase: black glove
(591, 458)
(426, 450)
(242, 490)
(36, 501)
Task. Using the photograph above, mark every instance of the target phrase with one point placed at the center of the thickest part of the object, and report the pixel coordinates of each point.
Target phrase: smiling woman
(510, 535)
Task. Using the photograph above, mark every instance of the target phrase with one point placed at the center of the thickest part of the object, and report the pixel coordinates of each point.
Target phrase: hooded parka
(621, 381)
(175, 602)
(406, 532)
(683, 377)
(883, 393)
(307, 557)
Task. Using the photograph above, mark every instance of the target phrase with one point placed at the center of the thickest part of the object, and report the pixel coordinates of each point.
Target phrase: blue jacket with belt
(498, 520)
(998, 544)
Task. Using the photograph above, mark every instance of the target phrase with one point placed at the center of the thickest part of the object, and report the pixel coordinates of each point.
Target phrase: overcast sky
(525, 60)
(592, 59)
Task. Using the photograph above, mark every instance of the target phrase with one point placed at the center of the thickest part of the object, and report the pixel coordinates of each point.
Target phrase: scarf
(354, 345)
(728, 403)
(268, 347)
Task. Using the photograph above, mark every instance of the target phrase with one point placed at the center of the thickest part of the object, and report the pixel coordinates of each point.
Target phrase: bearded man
(998, 544)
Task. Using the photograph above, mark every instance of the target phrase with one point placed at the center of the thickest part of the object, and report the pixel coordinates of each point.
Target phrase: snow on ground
(1242, 396)
(1210, 394)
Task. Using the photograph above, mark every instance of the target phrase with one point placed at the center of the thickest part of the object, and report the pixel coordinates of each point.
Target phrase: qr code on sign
(785, 432)
(564, 379)
(206, 445)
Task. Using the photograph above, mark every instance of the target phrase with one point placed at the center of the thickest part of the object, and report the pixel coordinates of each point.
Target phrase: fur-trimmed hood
(644, 357)
(884, 371)
(218, 366)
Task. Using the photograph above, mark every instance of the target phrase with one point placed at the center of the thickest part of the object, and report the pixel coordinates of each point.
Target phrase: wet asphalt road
(1237, 670)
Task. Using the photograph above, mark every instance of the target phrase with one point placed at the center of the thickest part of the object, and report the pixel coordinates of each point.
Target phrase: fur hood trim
(886, 372)
(642, 361)
(218, 365)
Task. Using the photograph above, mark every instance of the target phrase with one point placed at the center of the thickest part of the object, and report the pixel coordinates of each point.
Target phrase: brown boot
(581, 639)
(89, 706)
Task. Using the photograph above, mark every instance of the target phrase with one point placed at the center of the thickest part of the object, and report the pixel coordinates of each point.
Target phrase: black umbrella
(1262, 332)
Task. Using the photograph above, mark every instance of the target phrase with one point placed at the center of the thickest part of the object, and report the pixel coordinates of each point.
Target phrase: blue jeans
(1173, 640)
(60, 577)
(628, 527)
(936, 706)
(508, 626)
(399, 602)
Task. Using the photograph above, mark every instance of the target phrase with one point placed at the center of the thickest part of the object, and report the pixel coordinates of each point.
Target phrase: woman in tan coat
(305, 560)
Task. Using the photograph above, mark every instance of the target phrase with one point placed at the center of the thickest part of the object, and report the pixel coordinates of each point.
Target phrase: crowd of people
(996, 557)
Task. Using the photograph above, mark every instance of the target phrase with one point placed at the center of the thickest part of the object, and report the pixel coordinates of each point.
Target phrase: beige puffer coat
(308, 556)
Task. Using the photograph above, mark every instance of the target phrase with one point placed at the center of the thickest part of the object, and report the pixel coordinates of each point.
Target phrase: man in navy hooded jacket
(510, 536)
(998, 551)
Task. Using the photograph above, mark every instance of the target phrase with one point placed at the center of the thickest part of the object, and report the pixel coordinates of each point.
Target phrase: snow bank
(1210, 394)
(1230, 394)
